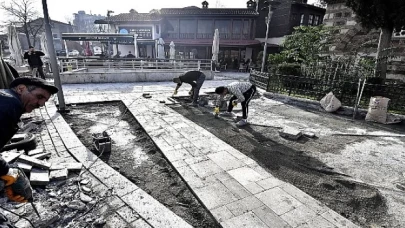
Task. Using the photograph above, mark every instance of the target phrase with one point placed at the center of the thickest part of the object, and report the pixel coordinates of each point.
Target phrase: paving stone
(36, 151)
(304, 198)
(155, 213)
(222, 214)
(337, 220)
(194, 160)
(34, 162)
(236, 188)
(114, 220)
(278, 200)
(39, 177)
(42, 155)
(206, 168)
(317, 222)
(25, 167)
(72, 166)
(10, 156)
(260, 170)
(120, 184)
(223, 176)
(174, 155)
(179, 163)
(298, 216)
(246, 220)
(215, 195)
(85, 198)
(270, 218)
(140, 223)
(254, 188)
(190, 177)
(244, 205)
(270, 183)
(128, 214)
(245, 175)
(115, 202)
(225, 160)
(60, 174)
(290, 133)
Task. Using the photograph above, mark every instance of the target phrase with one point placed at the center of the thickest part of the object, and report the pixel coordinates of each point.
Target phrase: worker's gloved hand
(234, 103)
(17, 186)
(175, 92)
(216, 110)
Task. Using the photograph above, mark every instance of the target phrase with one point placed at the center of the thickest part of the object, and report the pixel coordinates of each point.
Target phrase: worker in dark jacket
(35, 62)
(195, 79)
(25, 94)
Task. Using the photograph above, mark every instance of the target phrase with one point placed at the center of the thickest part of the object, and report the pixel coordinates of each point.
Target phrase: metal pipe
(267, 36)
(52, 57)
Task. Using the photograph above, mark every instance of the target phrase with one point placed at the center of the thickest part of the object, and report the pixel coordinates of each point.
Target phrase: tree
(386, 15)
(35, 28)
(21, 12)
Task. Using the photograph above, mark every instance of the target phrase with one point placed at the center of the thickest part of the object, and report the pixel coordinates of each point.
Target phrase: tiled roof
(135, 17)
(209, 11)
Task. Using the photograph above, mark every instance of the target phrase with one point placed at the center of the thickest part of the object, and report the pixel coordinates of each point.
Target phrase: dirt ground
(293, 163)
(136, 157)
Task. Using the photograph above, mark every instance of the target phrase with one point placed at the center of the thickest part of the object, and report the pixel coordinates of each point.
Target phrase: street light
(271, 5)
(52, 58)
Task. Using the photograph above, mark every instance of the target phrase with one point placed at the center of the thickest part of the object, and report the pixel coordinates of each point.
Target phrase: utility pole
(271, 6)
(52, 58)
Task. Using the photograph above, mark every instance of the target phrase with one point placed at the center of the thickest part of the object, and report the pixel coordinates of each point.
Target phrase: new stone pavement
(234, 188)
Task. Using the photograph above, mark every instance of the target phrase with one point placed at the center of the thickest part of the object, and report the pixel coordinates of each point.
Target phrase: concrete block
(42, 155)
(269, 217)
(73, 166)
(39, 177)
(225, 160)
(298, 216)
(18, 137)
(278, 200)
(128, 214)
(60, 174)
(245, 175)
(236, 188)
(10, 156)
(222, 214)
(34, 162)
(36, 151)
(244, 205)
(25, 167)
(290, 133)
(309, 134)
(246, 220)
(206, 168)
(215, 195)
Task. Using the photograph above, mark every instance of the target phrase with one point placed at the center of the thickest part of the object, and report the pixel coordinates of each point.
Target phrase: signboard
(142, 32)
(111, 39)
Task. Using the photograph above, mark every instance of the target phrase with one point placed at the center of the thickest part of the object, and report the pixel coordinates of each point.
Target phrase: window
(246, 29)
(302, 19)
(173, 26)
(316, 22)
(223, 26)
(237, 27)
(311, 20)
(205, 26)
(188, 26)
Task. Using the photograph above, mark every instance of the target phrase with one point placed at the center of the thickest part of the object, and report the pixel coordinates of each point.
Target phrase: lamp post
(52, 58)
(271, 4)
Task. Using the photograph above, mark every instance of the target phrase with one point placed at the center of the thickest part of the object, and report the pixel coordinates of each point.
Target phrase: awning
(208, 42)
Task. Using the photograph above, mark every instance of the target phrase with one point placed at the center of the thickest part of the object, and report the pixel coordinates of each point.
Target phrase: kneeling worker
(195, 79)
(242, 92)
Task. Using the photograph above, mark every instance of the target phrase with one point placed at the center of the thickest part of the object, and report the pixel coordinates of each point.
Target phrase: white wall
(248, 54)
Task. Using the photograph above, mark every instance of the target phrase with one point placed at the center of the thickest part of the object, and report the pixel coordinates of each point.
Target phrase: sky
(62, 10)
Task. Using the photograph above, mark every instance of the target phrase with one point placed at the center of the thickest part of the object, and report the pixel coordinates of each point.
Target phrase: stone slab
(72, 166)
(246, 220)
(39, 177)
(60, 174)
(244, 205)
(278, 200)
(42, 155)
(298, 216)
(34, 162)
(245, 175)
(290, 133)
(128, 214)
(206, 168)
(317, 222)
(140, 223)
(25, 167)
(36, 151)
(222, 214)
(270, 218)
(225, 160)
(10, 156)
(215, 195)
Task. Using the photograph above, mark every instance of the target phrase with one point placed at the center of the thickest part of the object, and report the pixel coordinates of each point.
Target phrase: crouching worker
(195, 79)
(242, 92)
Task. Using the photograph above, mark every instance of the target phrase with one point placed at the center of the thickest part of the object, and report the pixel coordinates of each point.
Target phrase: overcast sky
(62, 9)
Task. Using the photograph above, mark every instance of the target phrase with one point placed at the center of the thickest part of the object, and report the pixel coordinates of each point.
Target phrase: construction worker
(35, 61)
(25, 94)
(242, 92)
(195, 79)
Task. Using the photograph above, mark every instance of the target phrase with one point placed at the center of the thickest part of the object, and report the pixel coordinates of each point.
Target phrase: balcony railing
(205, 35)
(225, 36)
(246, 37)
(173, 35)
(187, 35)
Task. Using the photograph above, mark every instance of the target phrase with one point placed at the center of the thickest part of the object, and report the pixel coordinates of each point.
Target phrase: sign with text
(142, 32)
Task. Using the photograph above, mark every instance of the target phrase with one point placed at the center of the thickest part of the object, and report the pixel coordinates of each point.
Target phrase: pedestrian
(242, 92)
(35, 61)
(247, 65)
(130, 55)
(25, 94)
(195, 79)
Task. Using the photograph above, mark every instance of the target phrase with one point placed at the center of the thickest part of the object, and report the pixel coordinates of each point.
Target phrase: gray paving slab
(215, 195)
(225, 160)
(244, 205)
(317, 222)
(140, 223)
(222, 214)
(245, 175)
(206, 168)
(299, 216)
(247, 220)
(270, 218)
(236, 188)
(278, 200)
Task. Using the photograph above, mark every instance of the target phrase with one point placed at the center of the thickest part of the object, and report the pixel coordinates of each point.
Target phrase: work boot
(242, 122)
(229, 114)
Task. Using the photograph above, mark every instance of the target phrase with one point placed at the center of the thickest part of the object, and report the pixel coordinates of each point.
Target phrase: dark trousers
(245, 105)
(196, 90)
(38, 69)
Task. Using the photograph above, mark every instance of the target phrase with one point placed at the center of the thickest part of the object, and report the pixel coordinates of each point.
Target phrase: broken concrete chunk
(85, 198)
(290, 133)
(34, 162)
(309, 134)
(77, 205)
(86, 189)
(39, 177)
(73, 166)
(48, 218)
(84, 181)
(25, 167)
(10, 156)
(60, 174)
(36, 151)
(42, 155)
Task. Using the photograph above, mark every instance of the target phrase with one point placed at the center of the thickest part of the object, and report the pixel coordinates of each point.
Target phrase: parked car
(61, 53)
(74, 53)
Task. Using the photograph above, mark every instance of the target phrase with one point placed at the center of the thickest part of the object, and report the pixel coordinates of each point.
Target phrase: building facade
(350, 37)
(84, 23)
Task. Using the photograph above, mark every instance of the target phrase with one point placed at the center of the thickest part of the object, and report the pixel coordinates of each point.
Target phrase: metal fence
(345, 89)
(69, 64)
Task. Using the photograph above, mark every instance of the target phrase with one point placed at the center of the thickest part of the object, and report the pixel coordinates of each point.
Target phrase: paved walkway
(236, 190)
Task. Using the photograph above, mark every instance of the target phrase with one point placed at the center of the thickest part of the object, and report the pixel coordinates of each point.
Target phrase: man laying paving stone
(195, 79)
(25, 94)
(242, 92)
